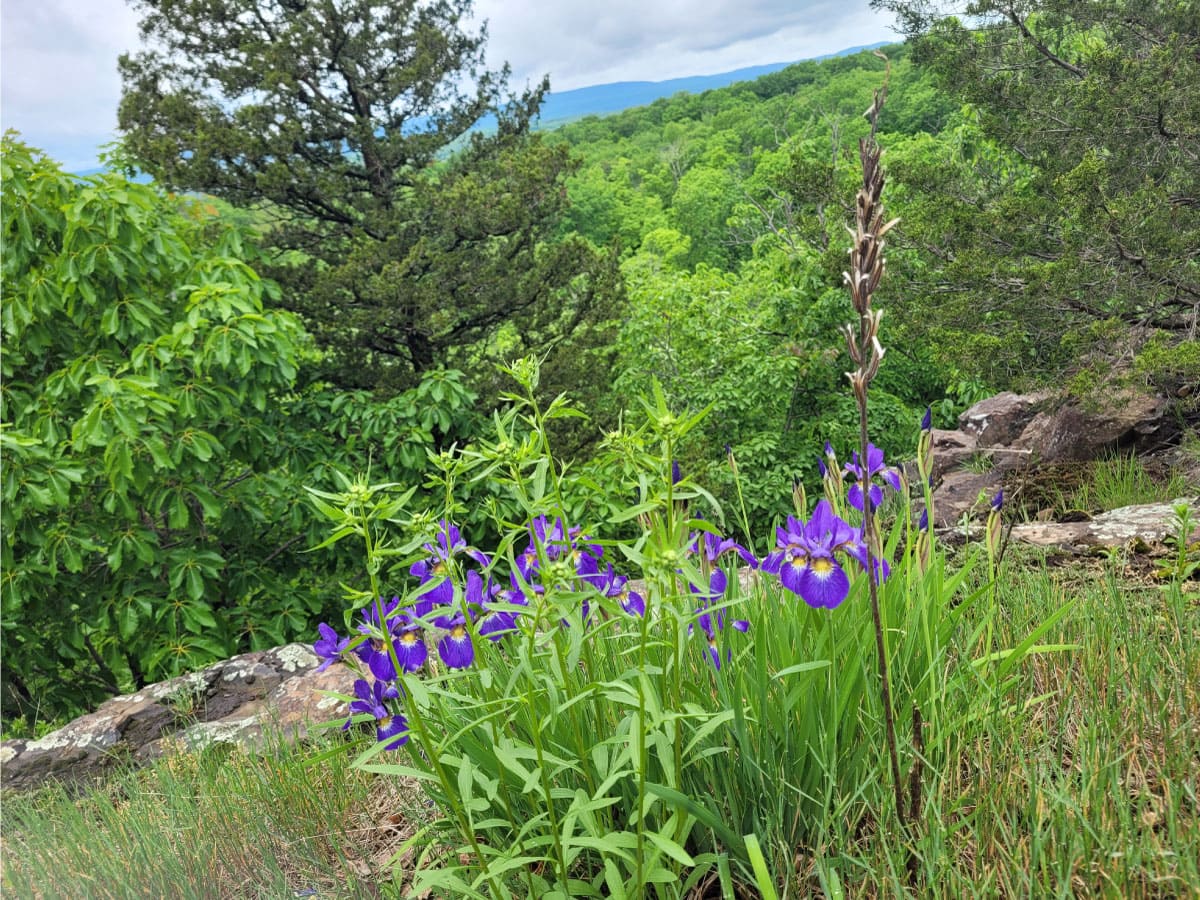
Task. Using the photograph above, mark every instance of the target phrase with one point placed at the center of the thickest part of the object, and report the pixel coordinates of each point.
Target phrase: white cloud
(59, 84)
(581, 44)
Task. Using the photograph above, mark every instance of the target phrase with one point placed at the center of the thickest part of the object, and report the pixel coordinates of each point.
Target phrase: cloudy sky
(59, 84)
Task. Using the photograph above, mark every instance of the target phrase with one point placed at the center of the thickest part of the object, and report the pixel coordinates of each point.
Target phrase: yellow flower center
(822, 566)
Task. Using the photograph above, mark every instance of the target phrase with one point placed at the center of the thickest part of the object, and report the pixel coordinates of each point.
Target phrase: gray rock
(1149, 522)
(1075, 432)
(236, 700)
(964, 494)
(999, 420)
(950, 450)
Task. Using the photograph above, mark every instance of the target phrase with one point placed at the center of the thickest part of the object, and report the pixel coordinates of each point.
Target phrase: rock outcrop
(233, 701)
(1012, 432)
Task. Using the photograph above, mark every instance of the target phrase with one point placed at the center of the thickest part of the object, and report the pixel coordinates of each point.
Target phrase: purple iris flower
(875, 466)
(389, 726)
(712, 623)
(556, 543)
(804, 559)
(329, 647)
(610, 584)
(409, 641)
(714, 547)
(400, 638)
(998, 501)
(455, 648)
(494, 623)
(436, 567)
(927, 419)
(375, 650)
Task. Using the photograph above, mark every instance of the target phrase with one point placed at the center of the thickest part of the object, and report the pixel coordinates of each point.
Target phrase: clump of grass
(220, 823)
(1064, 489)
(1123, 480)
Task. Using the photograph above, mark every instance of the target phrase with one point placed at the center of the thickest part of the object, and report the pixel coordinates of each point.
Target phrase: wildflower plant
(583, 734)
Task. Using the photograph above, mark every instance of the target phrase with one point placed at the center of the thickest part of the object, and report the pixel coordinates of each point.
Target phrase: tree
(139, 491)
(405, 238)
(1069, 194)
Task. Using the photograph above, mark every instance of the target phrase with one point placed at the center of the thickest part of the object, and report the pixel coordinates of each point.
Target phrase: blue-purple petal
(393, 730)
(456, 649)
(824, 587)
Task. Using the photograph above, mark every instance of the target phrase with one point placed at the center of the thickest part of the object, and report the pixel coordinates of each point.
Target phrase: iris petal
(411, 651)
(456, 649)
(825, 586)
(791, 573)
(393, 729)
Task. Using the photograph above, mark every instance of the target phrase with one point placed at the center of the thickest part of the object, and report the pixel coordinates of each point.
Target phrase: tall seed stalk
(866, 270)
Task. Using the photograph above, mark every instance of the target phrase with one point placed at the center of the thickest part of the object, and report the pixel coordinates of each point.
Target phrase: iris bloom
(804, 558)
(409, 642)
(400, 638)
(494, 623)
(712, 623)
(875, 466)
(436, 567)
(558, 542)
(610, 584)
(713, 546)
(375, 650)
(329, 647)
(455, 648)
(390, 727)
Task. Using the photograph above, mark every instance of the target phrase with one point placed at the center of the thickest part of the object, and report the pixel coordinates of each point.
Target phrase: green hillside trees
(1071, 186)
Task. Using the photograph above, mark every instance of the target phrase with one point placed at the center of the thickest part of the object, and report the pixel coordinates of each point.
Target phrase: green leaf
(762, 878)
(702, 814)
(195, 583)
(668, 846)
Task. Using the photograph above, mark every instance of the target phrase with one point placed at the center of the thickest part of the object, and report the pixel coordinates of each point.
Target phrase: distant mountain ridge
(620, 95)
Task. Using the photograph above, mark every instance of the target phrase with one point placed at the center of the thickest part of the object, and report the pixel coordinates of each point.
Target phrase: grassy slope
(1092, 791)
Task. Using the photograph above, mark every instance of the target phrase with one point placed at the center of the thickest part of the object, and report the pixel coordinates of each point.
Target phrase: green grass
(1124, 481)
(1093, 791)
(1090, 792)
(221, 823)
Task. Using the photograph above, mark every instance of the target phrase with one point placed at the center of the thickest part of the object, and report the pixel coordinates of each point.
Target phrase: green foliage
(728, 166)
(137, 349)
(1068, 194)
(603, 757)
(753, 349)
(155, 442)
(405, 240)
